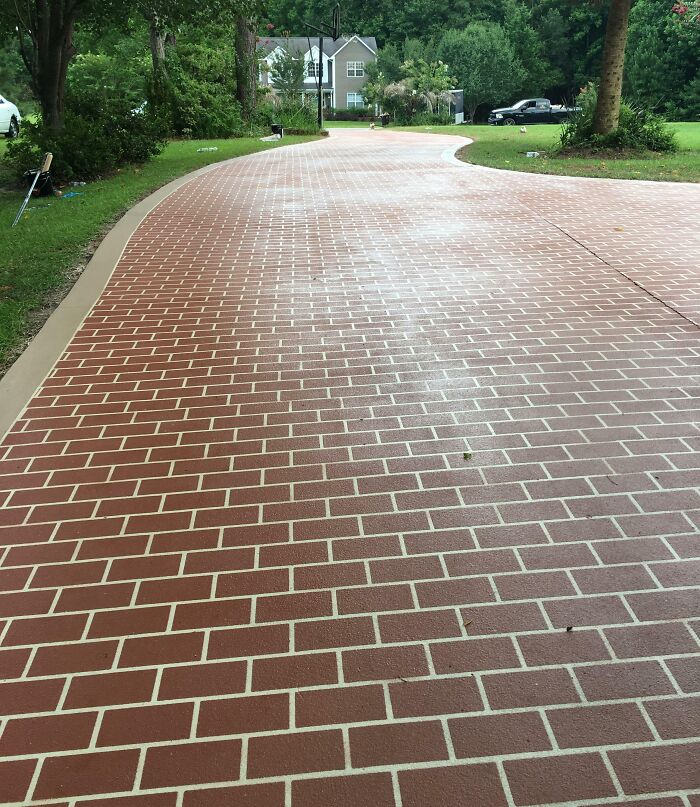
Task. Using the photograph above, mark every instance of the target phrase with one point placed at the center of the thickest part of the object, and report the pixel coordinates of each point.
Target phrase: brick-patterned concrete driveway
(371, 480)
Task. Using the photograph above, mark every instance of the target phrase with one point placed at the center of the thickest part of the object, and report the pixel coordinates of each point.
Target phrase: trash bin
(385, 118)
(277, 129)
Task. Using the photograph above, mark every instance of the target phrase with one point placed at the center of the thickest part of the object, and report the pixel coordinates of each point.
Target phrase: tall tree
(484, 62)
(529, 47)
(45, 31)
(246, 64)
(607, 113)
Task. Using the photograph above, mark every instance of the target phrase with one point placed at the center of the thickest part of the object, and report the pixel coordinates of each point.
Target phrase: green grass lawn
(505, 147)
(39, 256)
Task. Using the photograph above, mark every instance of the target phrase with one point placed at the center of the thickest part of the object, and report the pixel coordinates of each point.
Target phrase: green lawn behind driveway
(505, 147)
(38, 257)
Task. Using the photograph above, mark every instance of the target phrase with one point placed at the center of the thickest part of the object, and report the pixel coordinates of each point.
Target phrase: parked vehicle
(10, 119)
(531, 110)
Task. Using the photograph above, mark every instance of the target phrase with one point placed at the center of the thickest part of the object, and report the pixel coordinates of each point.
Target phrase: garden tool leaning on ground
(38, 174)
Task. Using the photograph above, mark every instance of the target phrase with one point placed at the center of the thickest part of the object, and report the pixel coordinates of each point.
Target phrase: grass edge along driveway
(43, 256)
(505, 147)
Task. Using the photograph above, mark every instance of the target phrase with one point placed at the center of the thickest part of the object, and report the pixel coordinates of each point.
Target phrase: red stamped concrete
(353, 435)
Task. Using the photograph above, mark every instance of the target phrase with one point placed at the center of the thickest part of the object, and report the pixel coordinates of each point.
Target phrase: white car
(10, 118)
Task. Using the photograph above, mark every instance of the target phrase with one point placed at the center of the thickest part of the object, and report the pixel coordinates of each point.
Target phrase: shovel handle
(47, 162)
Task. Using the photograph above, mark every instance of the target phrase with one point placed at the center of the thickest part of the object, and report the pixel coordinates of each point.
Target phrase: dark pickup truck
(532, 110)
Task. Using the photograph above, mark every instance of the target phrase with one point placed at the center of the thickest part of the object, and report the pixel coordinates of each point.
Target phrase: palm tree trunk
(607, 113)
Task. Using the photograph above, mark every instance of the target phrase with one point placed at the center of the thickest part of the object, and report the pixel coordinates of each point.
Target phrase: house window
(312, 70)
(356, 69)
(355, 99)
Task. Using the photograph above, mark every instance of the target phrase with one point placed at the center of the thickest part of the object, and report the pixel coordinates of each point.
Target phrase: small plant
(638, 129)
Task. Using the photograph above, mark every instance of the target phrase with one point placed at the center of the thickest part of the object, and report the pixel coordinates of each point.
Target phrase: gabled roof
(300, 44)
(368, 41)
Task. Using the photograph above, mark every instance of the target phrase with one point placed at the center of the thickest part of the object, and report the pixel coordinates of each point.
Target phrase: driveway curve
(370, 479)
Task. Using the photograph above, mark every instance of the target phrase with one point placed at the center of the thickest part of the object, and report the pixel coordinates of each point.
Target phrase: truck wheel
(13, 131)
(509, 121)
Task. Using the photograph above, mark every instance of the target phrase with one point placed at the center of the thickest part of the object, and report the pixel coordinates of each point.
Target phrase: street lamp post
(325, 30)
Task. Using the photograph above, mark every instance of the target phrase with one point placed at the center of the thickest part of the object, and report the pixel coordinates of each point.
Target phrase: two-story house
(344, 66)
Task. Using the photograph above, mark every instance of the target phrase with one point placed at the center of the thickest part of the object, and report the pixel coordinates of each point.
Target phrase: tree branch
(23, 53)
(20, 21)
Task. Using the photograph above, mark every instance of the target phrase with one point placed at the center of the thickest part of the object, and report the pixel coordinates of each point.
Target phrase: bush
(294, 114)
(88, 148)
(638, 129)
(358, 113)
(432, 119)
(106, 124)
(199, 94)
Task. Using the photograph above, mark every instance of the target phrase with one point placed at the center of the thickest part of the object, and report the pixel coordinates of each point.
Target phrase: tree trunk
(49, 26)
(246, 65)
(157, 41)
(156, 38)
(607, 113)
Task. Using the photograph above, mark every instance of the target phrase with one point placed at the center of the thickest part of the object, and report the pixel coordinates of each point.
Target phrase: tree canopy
(484, 62)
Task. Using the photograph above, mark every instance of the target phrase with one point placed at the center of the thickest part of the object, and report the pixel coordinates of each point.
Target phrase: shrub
(199, 95)
(442, 118)
(358, 113)
(294, 114)
(106, 124)
(87, 148)
(638, 129)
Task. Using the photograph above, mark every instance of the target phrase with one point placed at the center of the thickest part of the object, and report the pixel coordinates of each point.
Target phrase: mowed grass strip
(38, 258)
(505, 147)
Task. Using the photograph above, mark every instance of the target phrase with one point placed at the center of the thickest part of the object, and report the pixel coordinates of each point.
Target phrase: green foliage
(106, 125)
(428, 80)
(287, 73)
(662, 70)
(389, 61)
(89, 147)
(484, 62)
(529, 48)
(200, 91)
(14, 80)
(296, 115)
(423, 87)
(638, 129)
(443, 117)
(98, 79)
(355, 114)
(506, 147)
